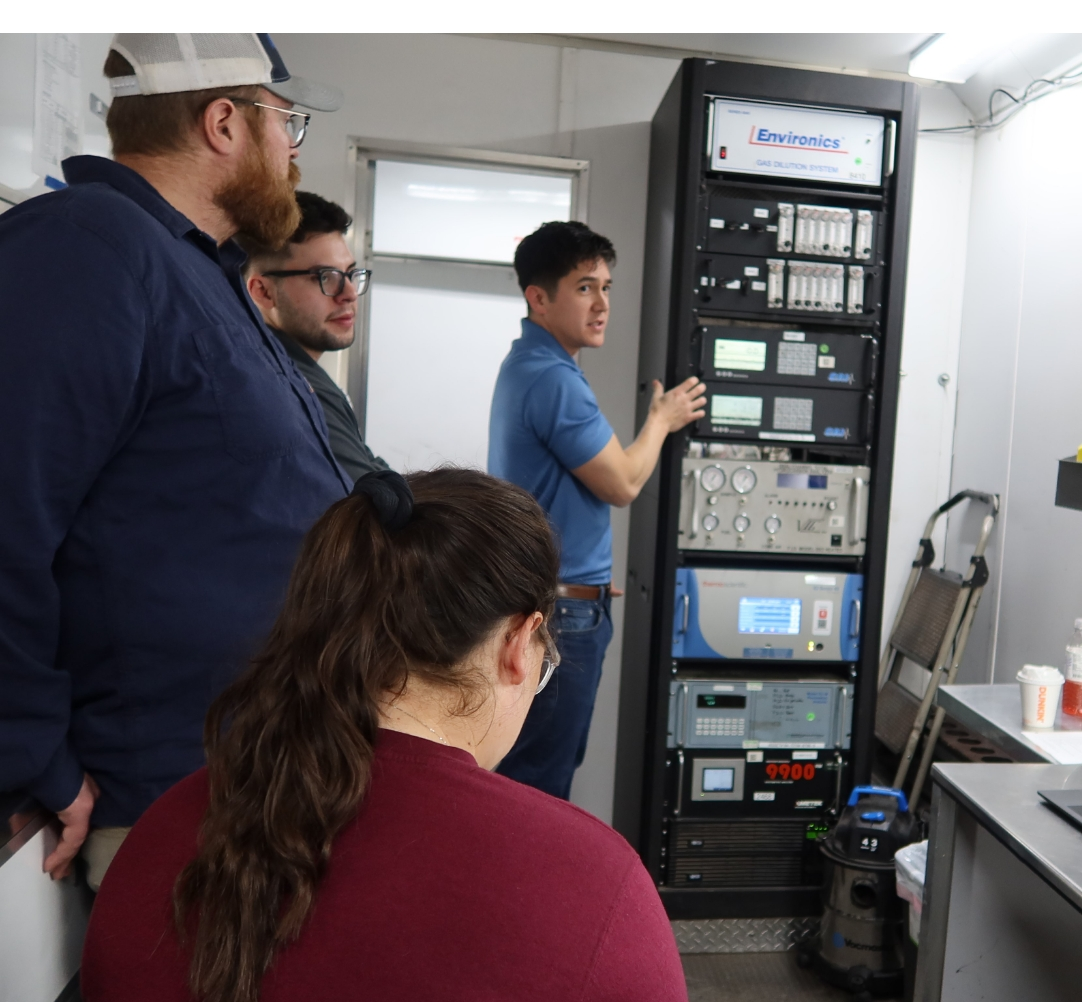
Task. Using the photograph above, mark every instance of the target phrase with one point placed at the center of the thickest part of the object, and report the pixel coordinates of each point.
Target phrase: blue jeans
(553, 739)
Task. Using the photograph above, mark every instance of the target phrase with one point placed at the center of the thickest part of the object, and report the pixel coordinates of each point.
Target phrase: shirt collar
(293, 349)
(535, 336)
(91, 169)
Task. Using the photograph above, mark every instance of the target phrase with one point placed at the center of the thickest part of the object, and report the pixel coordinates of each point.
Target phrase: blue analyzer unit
(728, 613)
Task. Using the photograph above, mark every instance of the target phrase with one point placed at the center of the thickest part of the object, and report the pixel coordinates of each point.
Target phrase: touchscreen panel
(769, 615)
(718, 780)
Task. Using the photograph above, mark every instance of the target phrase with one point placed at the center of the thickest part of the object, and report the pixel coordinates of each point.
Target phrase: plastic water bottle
(1072, 688)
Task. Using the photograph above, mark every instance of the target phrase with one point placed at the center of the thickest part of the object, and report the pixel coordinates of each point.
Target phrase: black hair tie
(390, 494)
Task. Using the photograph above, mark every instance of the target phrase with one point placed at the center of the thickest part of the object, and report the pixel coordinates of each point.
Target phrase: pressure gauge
(743, 480)
(772, 524)
(713, 478)
(710, 523)
(741, 523)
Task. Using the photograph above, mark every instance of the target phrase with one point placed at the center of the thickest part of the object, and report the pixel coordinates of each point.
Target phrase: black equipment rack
(680, 189)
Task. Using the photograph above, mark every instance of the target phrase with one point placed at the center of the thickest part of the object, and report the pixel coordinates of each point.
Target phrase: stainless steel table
(1002, 915)
(995, 713)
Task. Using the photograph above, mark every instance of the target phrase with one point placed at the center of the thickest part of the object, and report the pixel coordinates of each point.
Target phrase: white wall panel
(1022, 353)
(932, 331)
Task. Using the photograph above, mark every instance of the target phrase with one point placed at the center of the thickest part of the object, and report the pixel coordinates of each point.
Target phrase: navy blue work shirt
(161, 459)
(544, 423)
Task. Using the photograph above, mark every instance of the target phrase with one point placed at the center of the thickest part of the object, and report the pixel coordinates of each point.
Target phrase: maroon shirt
(453, 883)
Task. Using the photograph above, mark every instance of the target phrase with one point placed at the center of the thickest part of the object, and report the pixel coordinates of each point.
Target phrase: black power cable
(1000, 116)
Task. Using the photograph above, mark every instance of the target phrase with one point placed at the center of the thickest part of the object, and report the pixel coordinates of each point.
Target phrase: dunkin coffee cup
(1041, 687)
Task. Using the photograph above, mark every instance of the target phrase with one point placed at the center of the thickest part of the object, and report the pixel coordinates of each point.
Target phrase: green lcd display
(748, 356)
(712, 701)
(736, 410)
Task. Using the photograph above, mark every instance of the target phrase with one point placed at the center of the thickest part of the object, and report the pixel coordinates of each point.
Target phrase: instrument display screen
(733, 354)
(736, 410)
(769, 615)
(803, 481)
(718, 780)
(712, 701)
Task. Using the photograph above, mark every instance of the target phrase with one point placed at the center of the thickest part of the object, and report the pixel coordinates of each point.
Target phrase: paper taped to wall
(58, 119)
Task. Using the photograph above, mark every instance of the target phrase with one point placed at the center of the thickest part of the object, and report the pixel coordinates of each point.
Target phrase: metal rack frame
(677, 170)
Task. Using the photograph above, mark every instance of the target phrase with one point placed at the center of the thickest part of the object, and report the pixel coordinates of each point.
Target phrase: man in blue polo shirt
(547, 434)
(162, 456)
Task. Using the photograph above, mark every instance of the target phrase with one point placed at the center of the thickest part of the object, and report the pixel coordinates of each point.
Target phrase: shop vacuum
(861, 936)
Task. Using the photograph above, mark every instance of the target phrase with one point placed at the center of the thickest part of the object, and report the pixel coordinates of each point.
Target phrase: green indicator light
(824, 348)
(811, 716)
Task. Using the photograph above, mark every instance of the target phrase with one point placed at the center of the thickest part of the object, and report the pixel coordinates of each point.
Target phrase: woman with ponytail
(347, 839)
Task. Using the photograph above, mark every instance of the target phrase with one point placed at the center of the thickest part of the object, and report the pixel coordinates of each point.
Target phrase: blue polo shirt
(545, 422)
(162, 459)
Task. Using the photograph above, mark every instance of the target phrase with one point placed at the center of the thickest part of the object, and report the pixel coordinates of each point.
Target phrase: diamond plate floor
(754, 977)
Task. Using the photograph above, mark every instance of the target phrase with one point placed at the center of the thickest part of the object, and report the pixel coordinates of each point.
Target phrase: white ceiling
(882, 53)
(1030, 57)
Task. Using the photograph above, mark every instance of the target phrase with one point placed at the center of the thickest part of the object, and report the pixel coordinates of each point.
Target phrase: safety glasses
(551, 661)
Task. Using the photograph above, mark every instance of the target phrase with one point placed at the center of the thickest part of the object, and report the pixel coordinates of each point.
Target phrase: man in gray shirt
(307, 293)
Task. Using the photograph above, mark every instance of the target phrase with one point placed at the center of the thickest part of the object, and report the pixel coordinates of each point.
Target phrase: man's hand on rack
(681, 405)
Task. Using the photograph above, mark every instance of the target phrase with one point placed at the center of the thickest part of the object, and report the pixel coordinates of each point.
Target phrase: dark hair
(318, 215)
(290, 744)
(152, 124)
(557, 249)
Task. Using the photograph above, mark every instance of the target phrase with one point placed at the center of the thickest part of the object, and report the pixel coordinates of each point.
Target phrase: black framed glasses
(296, 124)
(331, 280)
(551, 661)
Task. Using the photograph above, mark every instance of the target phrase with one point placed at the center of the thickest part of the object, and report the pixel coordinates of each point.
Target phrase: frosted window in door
(422, 210)
(432, 365)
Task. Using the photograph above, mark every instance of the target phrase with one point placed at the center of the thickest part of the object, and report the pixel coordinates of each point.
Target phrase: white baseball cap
(170, 64)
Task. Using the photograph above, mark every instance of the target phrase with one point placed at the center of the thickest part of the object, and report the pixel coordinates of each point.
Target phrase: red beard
(262, 204)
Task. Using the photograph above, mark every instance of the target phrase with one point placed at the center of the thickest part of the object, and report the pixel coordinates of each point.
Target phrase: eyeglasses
(551, 661)
(331, 280)
(296, 123)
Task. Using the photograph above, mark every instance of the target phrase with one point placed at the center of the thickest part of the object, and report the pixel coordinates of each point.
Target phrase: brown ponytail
(290, 743)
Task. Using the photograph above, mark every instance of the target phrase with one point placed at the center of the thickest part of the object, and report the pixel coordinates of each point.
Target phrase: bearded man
(162, 456)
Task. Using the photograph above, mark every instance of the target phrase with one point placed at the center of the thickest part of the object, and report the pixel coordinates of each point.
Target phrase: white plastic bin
(910, 863)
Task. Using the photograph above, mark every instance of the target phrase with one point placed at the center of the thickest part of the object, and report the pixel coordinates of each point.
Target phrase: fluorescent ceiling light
(955, 56)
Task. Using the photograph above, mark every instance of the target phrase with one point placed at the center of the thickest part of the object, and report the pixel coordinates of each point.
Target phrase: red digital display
(792, 771)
